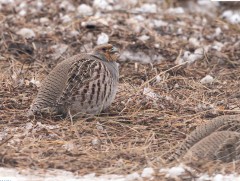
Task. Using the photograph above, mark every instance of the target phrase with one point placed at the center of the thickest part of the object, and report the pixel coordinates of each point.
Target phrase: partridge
(220, 145)
(83, 84)
(221, 123)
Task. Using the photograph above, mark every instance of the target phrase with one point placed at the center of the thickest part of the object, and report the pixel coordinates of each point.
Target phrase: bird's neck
(100, 56)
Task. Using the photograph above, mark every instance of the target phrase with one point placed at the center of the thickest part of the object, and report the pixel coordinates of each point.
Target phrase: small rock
(99, 127)
(67, 6)
(102, 4)
(66, 18)
(44, 20)
(95, 142)
(218, 31)
(26, 33)
(208, 79)
(69, 146)
(85, 10)
(102, 38)
(23, 12)
(194, 41)
(74, 33)
(29, 126)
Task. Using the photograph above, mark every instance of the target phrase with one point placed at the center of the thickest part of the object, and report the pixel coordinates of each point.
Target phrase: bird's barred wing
(80, 74)
(229, 149)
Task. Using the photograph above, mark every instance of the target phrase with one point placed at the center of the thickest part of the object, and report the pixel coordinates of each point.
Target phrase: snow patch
(147, 172)
(148, 92)
(144, 38)
(231, 17)
(190, 58)
(147, 8)
(177, 10)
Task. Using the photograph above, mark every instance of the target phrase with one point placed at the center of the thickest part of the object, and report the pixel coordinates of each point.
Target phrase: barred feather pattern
(83, 84)
(221, 123)
(220, 145)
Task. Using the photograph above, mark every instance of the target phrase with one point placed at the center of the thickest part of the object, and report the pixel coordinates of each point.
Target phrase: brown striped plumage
(83, 84)
(222, 123)
(220, 145)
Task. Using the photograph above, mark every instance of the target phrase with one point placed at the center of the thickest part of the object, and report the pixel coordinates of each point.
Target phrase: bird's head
(108, 51)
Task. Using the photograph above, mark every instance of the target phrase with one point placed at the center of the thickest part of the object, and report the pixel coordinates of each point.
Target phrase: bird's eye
(104, 49)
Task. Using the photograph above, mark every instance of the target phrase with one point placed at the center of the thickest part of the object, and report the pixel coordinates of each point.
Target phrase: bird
(220, 145)
(84, 84)
(220, 123)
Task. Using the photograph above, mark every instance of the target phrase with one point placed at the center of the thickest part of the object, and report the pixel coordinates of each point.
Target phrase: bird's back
(70, 83)
(220, 145)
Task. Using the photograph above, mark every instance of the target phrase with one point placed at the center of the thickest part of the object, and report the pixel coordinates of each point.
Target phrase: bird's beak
(115, 51)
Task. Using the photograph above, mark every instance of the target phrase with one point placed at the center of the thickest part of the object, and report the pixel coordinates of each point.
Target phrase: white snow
(159, 23)
(147, 172)
(133, 176)
(232, 17)
(176, 171)
(85, 10)
(230, 177)
(192, 57)
(217, 46)
(74, 33)
(102, 38)
(6, 1)
(194, 41)
(218, 31)
(208, 79)
(35, 82)
(147, 8)
(39, 4)
(102, 4)
(12, 174)
(58, 50)
(148, 92)
(135, 56)
(66, 18)
(26, 33)
(66, 5)
(177, 10)
(144, 38)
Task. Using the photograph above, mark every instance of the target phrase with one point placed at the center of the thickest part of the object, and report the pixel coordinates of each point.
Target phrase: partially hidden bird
(83, 84)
